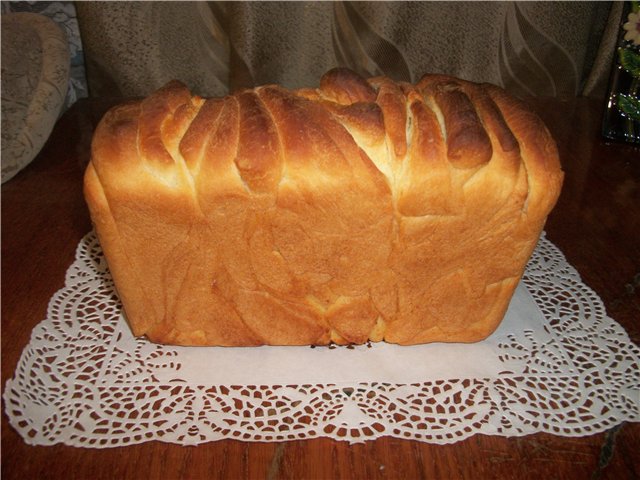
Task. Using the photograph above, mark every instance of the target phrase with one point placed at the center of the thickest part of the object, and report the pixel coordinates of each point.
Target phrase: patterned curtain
(529, 48)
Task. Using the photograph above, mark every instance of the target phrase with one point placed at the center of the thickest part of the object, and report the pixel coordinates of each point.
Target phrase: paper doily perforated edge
(49, 401)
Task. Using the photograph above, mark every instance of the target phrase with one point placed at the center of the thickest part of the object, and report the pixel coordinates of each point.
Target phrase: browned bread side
(360, 210)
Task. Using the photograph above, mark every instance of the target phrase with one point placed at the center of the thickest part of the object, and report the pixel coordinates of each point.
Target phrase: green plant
(629, 58)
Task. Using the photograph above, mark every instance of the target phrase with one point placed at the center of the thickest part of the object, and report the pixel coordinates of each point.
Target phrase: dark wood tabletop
(596, 224)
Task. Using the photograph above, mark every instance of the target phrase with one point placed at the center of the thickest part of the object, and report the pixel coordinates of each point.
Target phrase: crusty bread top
(403, 138)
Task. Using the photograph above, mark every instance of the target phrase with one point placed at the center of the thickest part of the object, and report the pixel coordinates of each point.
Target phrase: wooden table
(596, 224)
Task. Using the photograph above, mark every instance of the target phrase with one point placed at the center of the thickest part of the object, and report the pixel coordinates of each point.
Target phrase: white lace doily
(557, 364)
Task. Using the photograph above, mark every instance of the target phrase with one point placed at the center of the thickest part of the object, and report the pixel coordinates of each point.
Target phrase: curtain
(530, 48)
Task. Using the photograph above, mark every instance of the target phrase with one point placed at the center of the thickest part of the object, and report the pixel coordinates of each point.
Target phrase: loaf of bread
(363, 210)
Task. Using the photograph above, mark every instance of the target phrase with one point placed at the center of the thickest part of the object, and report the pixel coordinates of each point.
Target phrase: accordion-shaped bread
(363, 210)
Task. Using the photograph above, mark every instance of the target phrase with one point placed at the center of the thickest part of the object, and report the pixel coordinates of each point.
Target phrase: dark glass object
(622, 111)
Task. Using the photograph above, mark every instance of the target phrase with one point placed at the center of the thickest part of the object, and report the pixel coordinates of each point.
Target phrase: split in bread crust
(363, 210)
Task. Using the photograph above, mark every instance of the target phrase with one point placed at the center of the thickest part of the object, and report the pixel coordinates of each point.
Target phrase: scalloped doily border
(53, 401)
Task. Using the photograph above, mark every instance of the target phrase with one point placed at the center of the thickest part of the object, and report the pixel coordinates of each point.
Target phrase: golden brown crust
(343, 86)
(361, 210)
(393, 104)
